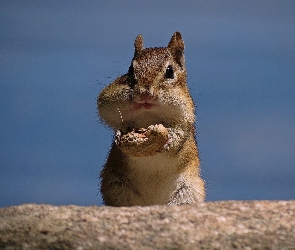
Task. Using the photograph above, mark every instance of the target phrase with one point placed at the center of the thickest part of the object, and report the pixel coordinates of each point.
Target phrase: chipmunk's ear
(176, 46)
(138, 44)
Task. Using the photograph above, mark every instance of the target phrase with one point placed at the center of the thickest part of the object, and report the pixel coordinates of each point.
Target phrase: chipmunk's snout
(145, 97)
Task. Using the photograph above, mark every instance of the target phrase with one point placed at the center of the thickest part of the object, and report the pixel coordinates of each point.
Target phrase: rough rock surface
(210, 225)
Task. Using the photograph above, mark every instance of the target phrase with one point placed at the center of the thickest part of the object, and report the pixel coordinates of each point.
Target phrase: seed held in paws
(143, 141)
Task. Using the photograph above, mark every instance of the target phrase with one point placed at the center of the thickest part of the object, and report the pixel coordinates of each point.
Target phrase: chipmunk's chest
(154, 177)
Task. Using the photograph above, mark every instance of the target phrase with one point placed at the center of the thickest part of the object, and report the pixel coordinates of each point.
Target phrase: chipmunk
(154, 157)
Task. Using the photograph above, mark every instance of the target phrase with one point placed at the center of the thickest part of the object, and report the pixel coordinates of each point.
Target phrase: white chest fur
(154, 177)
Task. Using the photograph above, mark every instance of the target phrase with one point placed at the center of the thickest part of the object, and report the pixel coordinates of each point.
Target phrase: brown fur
(153, 96)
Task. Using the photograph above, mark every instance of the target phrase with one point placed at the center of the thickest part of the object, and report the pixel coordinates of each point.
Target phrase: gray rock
(210, 225)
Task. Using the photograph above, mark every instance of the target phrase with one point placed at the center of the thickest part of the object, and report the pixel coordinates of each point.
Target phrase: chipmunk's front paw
(144, 141)
(174, 137)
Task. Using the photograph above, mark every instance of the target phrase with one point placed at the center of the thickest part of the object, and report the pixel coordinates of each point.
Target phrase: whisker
(120, 114)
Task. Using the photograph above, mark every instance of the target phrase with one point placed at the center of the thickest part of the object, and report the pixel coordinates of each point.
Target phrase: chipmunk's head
(154, 68)
(153, 91)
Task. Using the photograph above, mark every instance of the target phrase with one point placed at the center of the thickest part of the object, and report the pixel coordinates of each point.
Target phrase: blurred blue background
(56, 56)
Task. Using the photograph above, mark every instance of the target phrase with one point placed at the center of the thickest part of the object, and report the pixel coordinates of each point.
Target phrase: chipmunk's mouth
(144, 105)
(143, 101)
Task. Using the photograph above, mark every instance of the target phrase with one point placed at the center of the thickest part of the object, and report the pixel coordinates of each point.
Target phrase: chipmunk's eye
(131, 81)
(131, 71)
(169, 72)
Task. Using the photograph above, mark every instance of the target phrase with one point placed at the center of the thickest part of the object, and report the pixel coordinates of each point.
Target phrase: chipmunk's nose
(145, 97)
